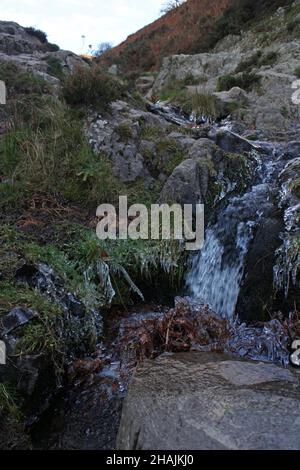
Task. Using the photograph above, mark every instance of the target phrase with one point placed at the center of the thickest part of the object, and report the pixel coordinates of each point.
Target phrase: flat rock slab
(203, 401)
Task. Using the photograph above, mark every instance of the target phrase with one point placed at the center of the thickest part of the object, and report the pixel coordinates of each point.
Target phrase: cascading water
(214, 281)
(217, 271)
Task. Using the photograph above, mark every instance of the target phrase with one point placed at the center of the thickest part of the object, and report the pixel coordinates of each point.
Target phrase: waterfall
(218, 270)
(214, 281)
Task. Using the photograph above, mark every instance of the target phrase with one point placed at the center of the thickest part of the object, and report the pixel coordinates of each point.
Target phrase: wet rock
(256, 298)
(12, 435)
(16, 318)
(42, 277)
(210, 402)
(29, 369)
(231, 142)
(293, 149)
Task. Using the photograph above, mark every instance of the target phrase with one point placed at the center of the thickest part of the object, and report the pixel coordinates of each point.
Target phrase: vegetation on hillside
(42, 37)
(240, 15)
(51, 183)
(194, 27)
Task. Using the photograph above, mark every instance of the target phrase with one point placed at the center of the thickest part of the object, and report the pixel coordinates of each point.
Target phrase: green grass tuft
(246, 81)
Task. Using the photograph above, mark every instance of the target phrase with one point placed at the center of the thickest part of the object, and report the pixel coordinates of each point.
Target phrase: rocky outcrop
(210, 402)
(139, 143)
(26, 50)
(267, 107)
(206, 67)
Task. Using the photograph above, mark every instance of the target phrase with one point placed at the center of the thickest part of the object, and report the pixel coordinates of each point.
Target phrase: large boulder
(209, 173)
(205, 401)
(189, 183)
(183, 186)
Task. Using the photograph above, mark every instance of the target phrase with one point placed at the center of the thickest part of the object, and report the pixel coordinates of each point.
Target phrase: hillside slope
(173, 33)
(193, 27)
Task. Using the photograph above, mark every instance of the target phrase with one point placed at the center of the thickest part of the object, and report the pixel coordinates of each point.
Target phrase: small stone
(16, 318)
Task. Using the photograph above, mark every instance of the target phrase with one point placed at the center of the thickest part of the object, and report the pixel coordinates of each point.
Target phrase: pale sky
(66, 21)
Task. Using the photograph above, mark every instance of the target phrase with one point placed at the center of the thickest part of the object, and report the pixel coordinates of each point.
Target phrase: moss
(208, 163)
(191, 80)
(167, 145)
(55, 333)
(124, 132)
(169, 156)
(234, 174)
(14, 295)
(248, 64)
(197, 101)
(55, 67)
(173, 91)
(258, 59)
(251, 137)
(238, 169)
(139, 193)
(149, 132)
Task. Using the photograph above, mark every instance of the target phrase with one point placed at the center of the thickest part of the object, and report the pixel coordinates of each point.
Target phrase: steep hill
(193, 27)
(173, 33)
